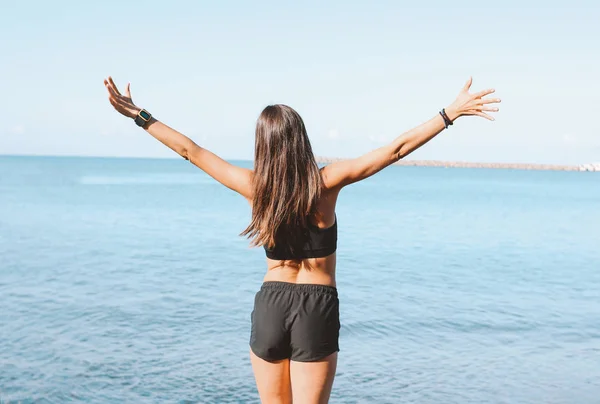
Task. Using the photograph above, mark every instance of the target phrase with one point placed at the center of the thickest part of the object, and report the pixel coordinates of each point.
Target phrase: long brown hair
(287, 182)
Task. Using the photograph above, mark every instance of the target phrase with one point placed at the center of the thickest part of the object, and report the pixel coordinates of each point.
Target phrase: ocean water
(124, 280)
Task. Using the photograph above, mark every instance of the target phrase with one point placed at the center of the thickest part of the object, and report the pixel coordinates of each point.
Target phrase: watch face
(144, 114)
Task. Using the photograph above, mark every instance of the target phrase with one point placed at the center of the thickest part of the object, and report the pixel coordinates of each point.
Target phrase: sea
(126, 281)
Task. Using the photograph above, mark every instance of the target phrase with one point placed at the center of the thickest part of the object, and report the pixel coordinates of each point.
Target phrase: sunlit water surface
(124, 280)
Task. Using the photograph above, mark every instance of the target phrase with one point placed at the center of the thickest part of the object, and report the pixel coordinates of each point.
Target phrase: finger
(489, 101)
(114, 93)
(112, 83)
(128, 90)
(467, 85)
(492, 109)
(109, 87)
(114, 103)
(484, 115)
(111, 92)
(482, 107)
(484, 93)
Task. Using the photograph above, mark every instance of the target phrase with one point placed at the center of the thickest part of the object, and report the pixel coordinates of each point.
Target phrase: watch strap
(142, 118)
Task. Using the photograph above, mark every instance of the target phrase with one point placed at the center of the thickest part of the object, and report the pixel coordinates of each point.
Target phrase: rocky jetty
(464, 164)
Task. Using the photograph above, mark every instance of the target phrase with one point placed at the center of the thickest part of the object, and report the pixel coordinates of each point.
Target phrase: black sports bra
(316, 243)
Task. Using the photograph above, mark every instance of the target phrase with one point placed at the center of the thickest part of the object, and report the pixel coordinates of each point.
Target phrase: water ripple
(456, 286)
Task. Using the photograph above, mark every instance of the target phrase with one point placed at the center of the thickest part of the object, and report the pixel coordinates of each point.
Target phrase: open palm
(122, 103)
(473, 104)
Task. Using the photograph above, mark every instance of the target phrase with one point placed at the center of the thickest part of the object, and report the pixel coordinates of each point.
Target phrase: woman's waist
(291, 273)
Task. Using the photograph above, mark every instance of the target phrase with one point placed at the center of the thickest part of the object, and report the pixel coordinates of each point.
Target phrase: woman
(295, 321)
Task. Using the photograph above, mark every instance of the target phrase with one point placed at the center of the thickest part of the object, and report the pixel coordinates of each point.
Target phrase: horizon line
(595, 166)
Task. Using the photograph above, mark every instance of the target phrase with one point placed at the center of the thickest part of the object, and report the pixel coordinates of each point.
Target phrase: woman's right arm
(345, 172)
(233, 177)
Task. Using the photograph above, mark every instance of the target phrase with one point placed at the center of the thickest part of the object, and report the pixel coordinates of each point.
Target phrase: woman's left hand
(122, 103)
(472, 104)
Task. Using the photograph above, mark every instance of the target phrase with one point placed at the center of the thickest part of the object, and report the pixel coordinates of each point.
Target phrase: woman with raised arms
(295, 321)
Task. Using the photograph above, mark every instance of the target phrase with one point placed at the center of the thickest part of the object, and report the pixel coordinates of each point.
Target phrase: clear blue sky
(359, 73)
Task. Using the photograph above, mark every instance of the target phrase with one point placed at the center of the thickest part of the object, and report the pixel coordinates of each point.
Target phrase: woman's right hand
(472, 104)
(122, 103)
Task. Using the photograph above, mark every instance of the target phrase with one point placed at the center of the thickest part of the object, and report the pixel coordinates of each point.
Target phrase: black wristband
(142, 118)
(447, 121)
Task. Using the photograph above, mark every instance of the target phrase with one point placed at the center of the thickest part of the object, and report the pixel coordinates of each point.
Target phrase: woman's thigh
(312, 381)
(272, 380)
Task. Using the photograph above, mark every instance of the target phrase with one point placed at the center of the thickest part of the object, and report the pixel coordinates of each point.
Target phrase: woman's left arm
(233, 177)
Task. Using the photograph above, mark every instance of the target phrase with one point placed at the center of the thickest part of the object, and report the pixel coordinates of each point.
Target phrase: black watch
(142, 118)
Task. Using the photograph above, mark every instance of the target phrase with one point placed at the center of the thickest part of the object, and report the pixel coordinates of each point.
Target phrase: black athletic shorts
(293, 321)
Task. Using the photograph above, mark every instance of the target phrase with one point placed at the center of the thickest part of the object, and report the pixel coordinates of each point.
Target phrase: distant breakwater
(464, 164)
